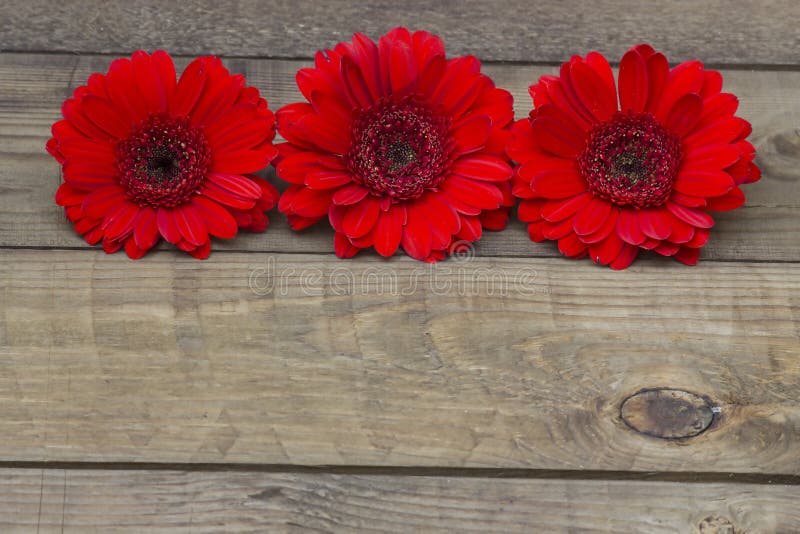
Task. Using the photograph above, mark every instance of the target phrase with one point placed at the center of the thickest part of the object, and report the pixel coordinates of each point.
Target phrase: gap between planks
(421, 471)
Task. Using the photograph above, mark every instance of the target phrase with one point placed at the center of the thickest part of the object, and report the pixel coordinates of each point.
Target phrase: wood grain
(717, 31)
(32, 88)
(300, 359)
(80, 501)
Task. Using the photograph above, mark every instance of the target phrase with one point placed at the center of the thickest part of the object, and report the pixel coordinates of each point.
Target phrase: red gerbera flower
(144, 157)
(607, 181)
(397, 146)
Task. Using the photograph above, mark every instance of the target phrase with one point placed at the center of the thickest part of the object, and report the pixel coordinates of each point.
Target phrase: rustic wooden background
(238, 394)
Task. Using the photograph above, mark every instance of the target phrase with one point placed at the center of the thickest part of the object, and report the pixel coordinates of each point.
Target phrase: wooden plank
(79, 501)
(32, 88)
(299, 359)
(517, 30)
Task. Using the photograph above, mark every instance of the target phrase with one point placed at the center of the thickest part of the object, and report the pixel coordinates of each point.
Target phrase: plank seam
(421, 471)
(327, 255)
(780, 67)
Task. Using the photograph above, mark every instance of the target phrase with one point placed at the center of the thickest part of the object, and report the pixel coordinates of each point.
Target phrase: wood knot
(668, 413)
(779, 154)
(715, 525)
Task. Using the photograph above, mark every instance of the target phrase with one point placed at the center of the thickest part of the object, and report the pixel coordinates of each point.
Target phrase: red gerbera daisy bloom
(144, 157)
(607, 181)
(397, 146)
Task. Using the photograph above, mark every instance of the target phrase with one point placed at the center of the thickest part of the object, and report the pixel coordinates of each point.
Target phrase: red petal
(133, 251)
(88, 175)
(103, 115)
(486, 168)
(711, 157)
(697, 218)
(654, 223)
(297, 222)
(190, 86)
(327, 179)
(593, 93)
(531, 210)
(441, 214)
(558, 184)
(118, 223)
(349, 194)
(190, 225)
(202, 252)
(558, 210)
(479, 194)
(243, 161)
(361, 217)
(730, 201)
(688, 200)
(599, 64)
(166, 225)
(545, 131)
(244, 134)
(657, 74)
(687, 255)
(471, 135)
(607, 250)
(389, 230)
(682, 232)
(165, 77)
(402, 69)
(329, 136)
(495, 219)
(110, 246)
(218, 220)
(354, 81)
(471, 229)
(306, 202)
(459, 205)
(66, 195)
(603, 232)
(625, 257)
(592, 216)
(235, 184)
(633, 82)
(558, 230)
(224, 196)
(722, 131)
(332, 107)
(571, 246)
(98, 203)
(343, 247)
(684, 115)
(667, 249)
(146, 80)
(417, 237)
(146, 233)
(703, 183)
(628, 227)
(684, 78)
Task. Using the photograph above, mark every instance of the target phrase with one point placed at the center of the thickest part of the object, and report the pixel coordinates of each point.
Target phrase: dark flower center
(399, 149)
(163, 162)
(631, 160)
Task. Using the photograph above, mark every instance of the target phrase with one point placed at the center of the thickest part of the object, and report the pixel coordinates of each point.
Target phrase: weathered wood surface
(718, 31)
(32, 88)
(305, 359)
(296, 359)
(82, 501)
